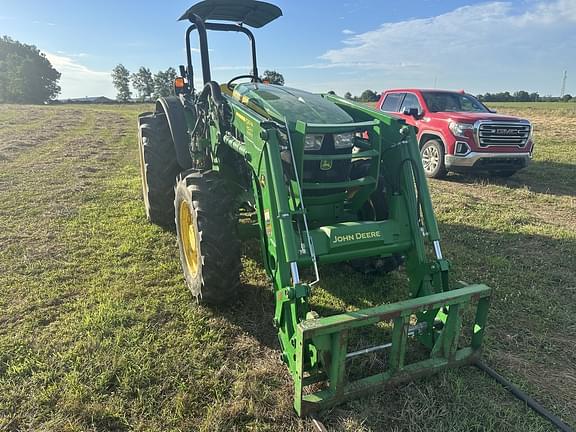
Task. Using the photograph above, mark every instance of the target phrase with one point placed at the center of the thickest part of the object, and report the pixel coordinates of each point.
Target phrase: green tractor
(329, 181)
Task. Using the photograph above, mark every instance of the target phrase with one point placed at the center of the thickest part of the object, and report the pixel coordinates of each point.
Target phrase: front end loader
(329, 181)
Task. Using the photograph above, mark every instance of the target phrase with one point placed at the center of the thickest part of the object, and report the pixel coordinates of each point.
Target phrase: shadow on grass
(529, 273)
(545, 177)
(508, 262)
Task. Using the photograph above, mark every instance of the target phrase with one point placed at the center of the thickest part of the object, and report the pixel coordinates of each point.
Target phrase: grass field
(97, 331)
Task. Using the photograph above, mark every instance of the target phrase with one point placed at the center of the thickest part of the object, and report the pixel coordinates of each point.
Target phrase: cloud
(348, 32)
(489, 46)
(78, 80)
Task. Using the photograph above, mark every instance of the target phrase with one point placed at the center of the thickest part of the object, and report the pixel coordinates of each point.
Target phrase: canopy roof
(250, 12)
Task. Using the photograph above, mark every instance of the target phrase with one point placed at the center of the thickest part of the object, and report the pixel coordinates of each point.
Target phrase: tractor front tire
(206, 228)
(158, 168)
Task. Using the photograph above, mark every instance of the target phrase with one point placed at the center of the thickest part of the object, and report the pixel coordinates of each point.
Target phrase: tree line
(147, 85)
(518, 96)
(522, 96)
(150, 86)
(365, 96)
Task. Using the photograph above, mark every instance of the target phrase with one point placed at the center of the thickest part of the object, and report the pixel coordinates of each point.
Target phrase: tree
(143, 82)
(273, 77)
(522, 96)
(348, 95)
(164, 83)
(369, 96)
(26, 75)
(566, 98)
(121, 80)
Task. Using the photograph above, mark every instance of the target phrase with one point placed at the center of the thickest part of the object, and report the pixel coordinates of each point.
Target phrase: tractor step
(329, 337)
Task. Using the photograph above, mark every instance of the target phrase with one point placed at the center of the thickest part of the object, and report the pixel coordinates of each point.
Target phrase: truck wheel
(206, 227)
(432, 154)
(158, 168)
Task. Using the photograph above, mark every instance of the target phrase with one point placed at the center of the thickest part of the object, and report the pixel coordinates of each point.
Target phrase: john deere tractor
(329, 181)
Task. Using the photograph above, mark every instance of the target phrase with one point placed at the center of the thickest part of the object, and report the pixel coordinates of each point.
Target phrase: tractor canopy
(249, 12)
(279, 102)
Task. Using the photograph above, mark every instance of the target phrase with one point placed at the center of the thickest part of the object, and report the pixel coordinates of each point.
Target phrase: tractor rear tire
(207, 232)
(158, 168)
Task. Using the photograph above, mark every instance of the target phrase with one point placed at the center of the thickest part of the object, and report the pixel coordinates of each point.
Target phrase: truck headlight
(458, 129)
(313, 142)
(344, 140)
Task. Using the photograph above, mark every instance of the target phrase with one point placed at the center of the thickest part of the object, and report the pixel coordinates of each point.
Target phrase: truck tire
(206, 227)
(158, 168)
(432, 153)
(374, 209)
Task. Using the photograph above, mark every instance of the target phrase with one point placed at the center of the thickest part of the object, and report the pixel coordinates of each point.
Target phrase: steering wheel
(254, 78)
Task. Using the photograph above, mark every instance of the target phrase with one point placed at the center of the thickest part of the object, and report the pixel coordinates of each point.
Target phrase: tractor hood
(279, 102)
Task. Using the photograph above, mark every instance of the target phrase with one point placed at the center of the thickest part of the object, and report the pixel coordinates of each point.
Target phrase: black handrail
(202, 27)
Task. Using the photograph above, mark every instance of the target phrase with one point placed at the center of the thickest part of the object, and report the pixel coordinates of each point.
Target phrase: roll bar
(202, 27)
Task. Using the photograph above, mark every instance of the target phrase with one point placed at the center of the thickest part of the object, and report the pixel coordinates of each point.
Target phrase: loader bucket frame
(331, 335)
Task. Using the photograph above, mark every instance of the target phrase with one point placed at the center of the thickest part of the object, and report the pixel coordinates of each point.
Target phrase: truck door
(411, 102)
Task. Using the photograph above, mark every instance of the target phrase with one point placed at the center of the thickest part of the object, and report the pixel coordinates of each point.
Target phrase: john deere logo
(325, 165)
(345, 238)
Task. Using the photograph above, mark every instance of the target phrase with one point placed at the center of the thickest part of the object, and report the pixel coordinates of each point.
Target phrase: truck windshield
(452, 102)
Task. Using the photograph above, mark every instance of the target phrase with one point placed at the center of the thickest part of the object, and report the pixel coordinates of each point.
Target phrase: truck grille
(503, 134)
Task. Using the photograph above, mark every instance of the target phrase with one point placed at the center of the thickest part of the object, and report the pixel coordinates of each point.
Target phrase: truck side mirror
(413, 112)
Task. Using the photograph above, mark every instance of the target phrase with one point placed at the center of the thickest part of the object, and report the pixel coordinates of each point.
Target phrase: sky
(319, 45)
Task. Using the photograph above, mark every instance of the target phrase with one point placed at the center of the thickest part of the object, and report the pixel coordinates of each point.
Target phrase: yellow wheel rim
(188, 237)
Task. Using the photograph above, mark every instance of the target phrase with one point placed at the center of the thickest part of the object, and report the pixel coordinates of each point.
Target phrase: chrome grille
(490, 133)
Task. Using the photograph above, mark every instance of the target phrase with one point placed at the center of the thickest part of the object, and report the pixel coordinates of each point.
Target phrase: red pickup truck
(456, 132)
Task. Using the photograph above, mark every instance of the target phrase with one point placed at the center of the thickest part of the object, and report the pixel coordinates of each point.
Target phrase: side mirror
(413, 112)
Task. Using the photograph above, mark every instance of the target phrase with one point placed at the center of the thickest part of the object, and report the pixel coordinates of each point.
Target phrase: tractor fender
(172, 107)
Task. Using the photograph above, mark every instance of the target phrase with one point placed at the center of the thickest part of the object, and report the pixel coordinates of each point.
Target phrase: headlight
(343, 141)
(458, 129)
(313, 142)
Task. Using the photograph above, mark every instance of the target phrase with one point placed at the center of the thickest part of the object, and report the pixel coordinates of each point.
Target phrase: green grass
(97, 331)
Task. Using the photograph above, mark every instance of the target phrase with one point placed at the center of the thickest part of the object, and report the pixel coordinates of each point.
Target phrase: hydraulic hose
(555, 420)
(213, 89)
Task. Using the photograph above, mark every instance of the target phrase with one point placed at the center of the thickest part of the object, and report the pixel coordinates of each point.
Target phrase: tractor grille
(503, 134)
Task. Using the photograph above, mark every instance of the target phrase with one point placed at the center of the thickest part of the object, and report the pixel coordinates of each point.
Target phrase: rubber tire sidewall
(440, 171)
(183, 193)
(158, 168)
(212, 207)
